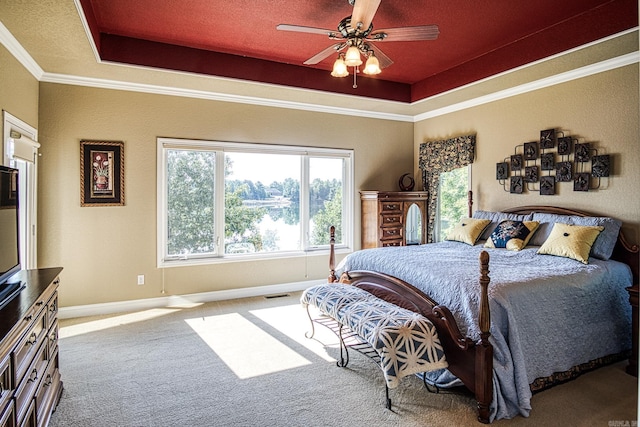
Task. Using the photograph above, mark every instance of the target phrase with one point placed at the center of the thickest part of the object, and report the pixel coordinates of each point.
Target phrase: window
(222, 201)
(452, 200)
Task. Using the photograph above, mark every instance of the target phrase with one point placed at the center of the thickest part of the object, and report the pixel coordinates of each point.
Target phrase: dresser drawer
(52, 309)
(29, 343)
(390, 206)
(6, 385)
(29, 419)
(7, 417)
(46, 395)
(52, 337)
(391, 233)
(391, 243)
(391, 220)
(27, 388)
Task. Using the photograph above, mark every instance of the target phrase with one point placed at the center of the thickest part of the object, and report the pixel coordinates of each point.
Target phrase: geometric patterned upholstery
(406, 342)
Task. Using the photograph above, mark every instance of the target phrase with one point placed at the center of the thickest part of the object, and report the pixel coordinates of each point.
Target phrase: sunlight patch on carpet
(292, 321)
(112, 322)
(245, 348)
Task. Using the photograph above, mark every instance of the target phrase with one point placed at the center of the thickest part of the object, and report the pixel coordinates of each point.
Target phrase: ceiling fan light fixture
(373, 66)
(352, 57)
(340, 68)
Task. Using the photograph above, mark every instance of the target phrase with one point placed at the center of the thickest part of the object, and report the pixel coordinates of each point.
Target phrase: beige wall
(18, 91)
(601, 109)
(103, 249)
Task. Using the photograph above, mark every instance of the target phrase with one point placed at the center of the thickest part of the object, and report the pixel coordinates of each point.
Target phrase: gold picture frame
(101, 173)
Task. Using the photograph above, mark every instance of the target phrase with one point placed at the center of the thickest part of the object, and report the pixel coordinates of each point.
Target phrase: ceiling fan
(356, 35)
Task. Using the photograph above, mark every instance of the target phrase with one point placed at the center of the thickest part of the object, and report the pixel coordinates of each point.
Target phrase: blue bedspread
(548, 313)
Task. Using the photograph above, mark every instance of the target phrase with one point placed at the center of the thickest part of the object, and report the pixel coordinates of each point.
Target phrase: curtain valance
(437, 157)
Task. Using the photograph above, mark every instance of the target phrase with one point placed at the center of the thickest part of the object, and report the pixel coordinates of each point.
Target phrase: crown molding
(588, 70)
(218, 96)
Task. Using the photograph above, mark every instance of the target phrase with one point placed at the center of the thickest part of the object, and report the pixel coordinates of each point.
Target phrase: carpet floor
(246, 362)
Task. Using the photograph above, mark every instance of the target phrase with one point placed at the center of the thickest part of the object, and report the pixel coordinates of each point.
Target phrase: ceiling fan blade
(363, 12)
(310, 30)
(405, 34)
(383, 59)
(325, 53)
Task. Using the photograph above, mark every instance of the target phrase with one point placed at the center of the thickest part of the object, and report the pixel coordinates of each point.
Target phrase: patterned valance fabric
(437, 157)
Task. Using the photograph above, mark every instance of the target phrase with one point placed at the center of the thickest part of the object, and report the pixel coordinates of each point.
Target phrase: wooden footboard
(471, 362)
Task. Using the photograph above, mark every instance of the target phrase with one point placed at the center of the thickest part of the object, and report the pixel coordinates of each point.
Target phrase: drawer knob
(28, 318)
(34, 375)
(39, 303)
(33, 338)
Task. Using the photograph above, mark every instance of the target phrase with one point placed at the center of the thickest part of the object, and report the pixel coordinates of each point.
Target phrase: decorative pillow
(468, 230)
(512, 235)
(571, 241)
(496, 218)
(604, 244)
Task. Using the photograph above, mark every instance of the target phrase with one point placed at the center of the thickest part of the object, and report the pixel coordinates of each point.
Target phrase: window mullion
(304, 202)
(219, 209)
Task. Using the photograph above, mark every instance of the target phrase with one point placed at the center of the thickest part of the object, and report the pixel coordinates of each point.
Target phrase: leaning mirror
(413, 231)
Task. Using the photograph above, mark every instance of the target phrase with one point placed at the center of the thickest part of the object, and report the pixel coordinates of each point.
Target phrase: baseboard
(174, 300)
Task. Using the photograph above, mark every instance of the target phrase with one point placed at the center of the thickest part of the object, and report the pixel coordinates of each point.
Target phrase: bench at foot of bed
(400, 341)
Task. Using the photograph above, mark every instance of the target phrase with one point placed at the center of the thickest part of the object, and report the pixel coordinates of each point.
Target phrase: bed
(531, 322)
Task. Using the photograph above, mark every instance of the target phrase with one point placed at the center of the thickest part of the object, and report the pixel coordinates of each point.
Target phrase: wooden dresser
(388, 221)
(30, 384)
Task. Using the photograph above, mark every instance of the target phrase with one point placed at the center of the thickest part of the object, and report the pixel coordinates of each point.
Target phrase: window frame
(220, 148)
(437, 229)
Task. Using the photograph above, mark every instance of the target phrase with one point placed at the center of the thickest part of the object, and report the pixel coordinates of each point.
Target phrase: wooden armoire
(393, 218)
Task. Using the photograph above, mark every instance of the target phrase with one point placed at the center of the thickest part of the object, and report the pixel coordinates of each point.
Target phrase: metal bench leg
(343, 351)
(310, 334)
(386, 389)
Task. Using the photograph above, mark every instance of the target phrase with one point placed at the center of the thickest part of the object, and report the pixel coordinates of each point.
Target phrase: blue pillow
(512, 235)
(496, 218)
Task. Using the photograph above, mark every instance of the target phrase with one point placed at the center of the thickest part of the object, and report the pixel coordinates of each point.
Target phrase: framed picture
(101, 173)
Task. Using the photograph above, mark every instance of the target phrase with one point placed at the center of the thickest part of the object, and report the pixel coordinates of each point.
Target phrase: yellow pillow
(468, 230)
(571, 241)
(511, 234)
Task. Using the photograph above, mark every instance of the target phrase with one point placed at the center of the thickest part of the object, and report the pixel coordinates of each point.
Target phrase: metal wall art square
(516, 162)
(581, 183)
(530, 150)
(547, 186)
(531, 174)
(517, 185)
(547, 161)
(564, 145)
(583, 152)
(564, 171)
(548, 138)
(502, 170)
(600, 166)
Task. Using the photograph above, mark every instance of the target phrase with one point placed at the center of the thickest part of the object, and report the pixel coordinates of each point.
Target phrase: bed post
(484, 350)
(332, 255)
(470, 203)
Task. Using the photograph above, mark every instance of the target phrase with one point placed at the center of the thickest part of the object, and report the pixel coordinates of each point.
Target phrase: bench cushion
(406, 342)
(331, 298)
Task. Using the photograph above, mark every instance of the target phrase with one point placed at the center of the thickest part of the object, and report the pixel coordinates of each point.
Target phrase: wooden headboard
(624, 251)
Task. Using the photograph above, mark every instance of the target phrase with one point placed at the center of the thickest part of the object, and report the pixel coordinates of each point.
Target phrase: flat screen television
(9, 226)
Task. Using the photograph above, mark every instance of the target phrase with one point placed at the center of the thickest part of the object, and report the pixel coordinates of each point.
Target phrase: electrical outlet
(140, 279)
